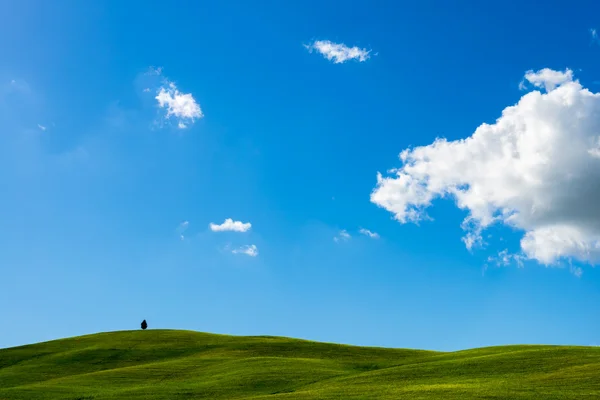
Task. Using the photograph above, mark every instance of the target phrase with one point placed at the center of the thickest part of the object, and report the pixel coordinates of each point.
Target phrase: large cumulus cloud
(536, 169)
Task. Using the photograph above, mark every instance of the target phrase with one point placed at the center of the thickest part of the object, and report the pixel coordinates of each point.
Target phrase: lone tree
(144, 324)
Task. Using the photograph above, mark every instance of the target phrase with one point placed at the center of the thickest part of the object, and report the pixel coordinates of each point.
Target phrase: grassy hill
(163, 364)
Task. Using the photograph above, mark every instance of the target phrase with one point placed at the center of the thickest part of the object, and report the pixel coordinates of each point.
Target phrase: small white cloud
(368, 233)
(472, 236)
(182, 228)
(342, 236)
(250, 250)
(338, 52)
(42, 127)
(182, 106)
(472, 239)
(546, 78)
(231, 225)
(179, 106)
(504, 259)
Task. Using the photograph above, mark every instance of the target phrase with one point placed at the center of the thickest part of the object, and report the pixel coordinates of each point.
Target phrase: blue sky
(108, 199)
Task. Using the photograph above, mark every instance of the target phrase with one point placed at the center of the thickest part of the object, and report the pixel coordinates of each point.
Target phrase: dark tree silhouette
(144, 324)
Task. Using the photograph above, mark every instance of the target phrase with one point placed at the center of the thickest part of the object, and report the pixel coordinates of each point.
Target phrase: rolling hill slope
(164, 364)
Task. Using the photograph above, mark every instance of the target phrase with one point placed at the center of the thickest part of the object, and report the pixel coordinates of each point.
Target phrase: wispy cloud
(577, 271)
(366, 232)
(504, 259)
(338, 52)
(231, 225)
(343, 235)
(155, 71)
(42, 127)
(249, 249)
(182, 228)
(594, 35)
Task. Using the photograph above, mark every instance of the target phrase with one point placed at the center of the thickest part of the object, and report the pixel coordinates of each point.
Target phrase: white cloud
(42, 127)
(173, 105)
(182, 228)
(250, 250)
(342, 236)
(338, 52)
(577, 271)
(534, 169)
(547, 78)
(182, 106)
(368, 233)
(231, 225)
(504, 259)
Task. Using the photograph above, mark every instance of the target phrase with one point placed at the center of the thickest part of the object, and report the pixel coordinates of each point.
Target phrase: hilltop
(168, 364)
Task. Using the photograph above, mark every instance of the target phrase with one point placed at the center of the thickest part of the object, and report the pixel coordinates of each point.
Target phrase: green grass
(163, 364)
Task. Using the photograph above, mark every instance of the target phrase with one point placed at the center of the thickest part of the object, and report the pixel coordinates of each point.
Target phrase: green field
(164, 364)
